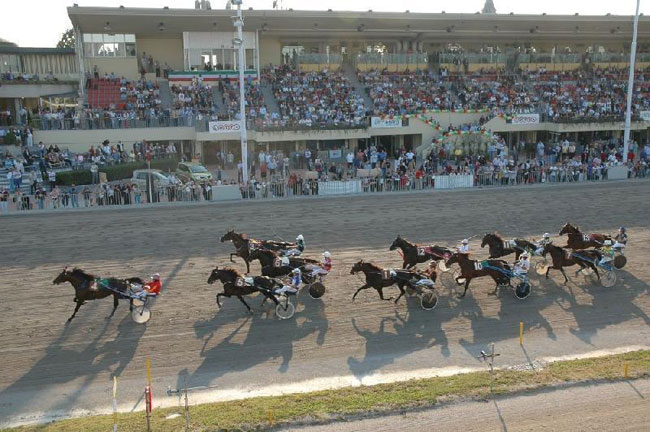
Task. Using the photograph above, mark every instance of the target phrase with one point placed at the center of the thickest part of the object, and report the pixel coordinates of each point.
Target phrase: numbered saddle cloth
(509, 244)
(388, 273)
(244, 281)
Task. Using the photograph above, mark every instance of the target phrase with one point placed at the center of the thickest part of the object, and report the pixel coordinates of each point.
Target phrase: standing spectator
(86, 194)
(54, 196)
(4, 200)
(94, 171)
(51, 176)
(10, 180)
(137, 195)
(74, 197)
(39, 196)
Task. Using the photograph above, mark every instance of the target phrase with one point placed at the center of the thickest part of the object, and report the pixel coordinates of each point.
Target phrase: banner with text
(524, 119)
(378, 122)
(221, 127)
(645, 115)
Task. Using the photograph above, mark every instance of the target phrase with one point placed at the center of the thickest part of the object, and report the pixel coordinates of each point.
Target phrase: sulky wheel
(541, 268)
(285, 309)
(140, 314)
(428, 300)
(316, 290)
(620, 261)
(608, 279)
(522, 290)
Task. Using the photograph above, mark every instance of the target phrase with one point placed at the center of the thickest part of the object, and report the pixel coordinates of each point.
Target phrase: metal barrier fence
(282, 189)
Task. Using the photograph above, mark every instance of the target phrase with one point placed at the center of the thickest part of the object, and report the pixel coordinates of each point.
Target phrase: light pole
(630, 86)
(238, 22)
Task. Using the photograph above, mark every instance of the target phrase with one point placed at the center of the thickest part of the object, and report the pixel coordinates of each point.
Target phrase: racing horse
(472, 269)
(234, 284)
(244, 245)
(88, 287)
(500, 247)
(414, 254)
(579, 240)
(273, 265)
(564, 258)
(379, 278)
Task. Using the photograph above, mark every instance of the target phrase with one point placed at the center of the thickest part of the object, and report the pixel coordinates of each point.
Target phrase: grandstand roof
(362, 25)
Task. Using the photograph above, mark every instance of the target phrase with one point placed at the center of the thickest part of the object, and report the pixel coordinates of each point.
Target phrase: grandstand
(335, 79)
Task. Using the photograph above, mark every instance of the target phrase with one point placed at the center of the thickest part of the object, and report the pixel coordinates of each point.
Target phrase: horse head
(569, 229)
(453, 259)
(486, 239)
(64, 276)
(396, 243)
(215, 275)
(546, 249)
(357, 267)
(228, 236)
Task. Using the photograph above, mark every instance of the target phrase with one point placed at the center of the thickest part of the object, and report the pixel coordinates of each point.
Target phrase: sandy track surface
(621, 406)
(50, 368)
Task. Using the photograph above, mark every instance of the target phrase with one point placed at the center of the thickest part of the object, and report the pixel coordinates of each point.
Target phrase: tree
(68, 39)
(489, 7)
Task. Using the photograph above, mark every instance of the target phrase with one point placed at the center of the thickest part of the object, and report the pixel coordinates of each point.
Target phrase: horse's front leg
(241, 299)
(76, 309)
(248, 266)
(366, 286)
(220, 295)
(116, 302)
(466, 287)
(566, 279)
(381, 294)
(232, 255)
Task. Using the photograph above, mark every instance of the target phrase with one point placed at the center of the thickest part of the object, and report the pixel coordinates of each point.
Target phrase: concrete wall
(270, 50)
(499, 125)
(81, 140)
(125, 66)
(35, 90)
(163, 50)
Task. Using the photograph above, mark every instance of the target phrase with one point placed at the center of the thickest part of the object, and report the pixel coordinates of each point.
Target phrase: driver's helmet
(296, 271)
(465, 241)
(327, 255)
(524, 255)
(155, 276)
(300, 238)
(546, 236)
(608, 243)
(622, 229)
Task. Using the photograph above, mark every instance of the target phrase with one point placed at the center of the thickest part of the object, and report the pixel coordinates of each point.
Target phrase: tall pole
(239, 23)
(630, 86)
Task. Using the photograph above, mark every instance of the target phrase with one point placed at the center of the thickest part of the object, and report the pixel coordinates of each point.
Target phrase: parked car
(159, 178)
(193, 171)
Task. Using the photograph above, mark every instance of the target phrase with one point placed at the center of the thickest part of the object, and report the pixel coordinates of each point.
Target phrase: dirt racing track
(52, 368)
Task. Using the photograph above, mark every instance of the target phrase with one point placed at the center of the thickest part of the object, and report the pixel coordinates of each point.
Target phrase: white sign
(645, 115)
(221, 127)
(523, 119)
(378, 122)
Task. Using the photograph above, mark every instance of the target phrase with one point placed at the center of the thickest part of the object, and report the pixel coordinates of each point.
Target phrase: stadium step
(166, 97)
(351, 74)
(217, 100)
(269, 99)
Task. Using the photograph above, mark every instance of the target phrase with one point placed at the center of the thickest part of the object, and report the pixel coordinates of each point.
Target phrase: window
(142, 176)
(109, 45)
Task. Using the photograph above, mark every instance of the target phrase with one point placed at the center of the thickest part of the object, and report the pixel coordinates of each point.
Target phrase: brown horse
(579, 240)
(379, 278)
(244, 245)
(88, 287)
(472, 269)
(235, 284)
(563, 258)
(414, 254)
(273, 264)
(500, 247)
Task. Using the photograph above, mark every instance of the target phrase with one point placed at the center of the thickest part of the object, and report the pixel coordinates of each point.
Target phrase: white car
(160, 178)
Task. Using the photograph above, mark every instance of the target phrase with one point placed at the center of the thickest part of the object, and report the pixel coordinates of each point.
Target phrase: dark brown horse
(244, 245)
(414, 254)
(273, 264)
(499, 247)
(579, 240)
(472, 269)
(235, 284)
(88, 287)
(564, 258)
(379, 278)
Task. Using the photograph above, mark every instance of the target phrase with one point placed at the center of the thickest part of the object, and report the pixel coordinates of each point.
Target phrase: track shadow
(413, 330)
(95, 357)
(265, 338)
